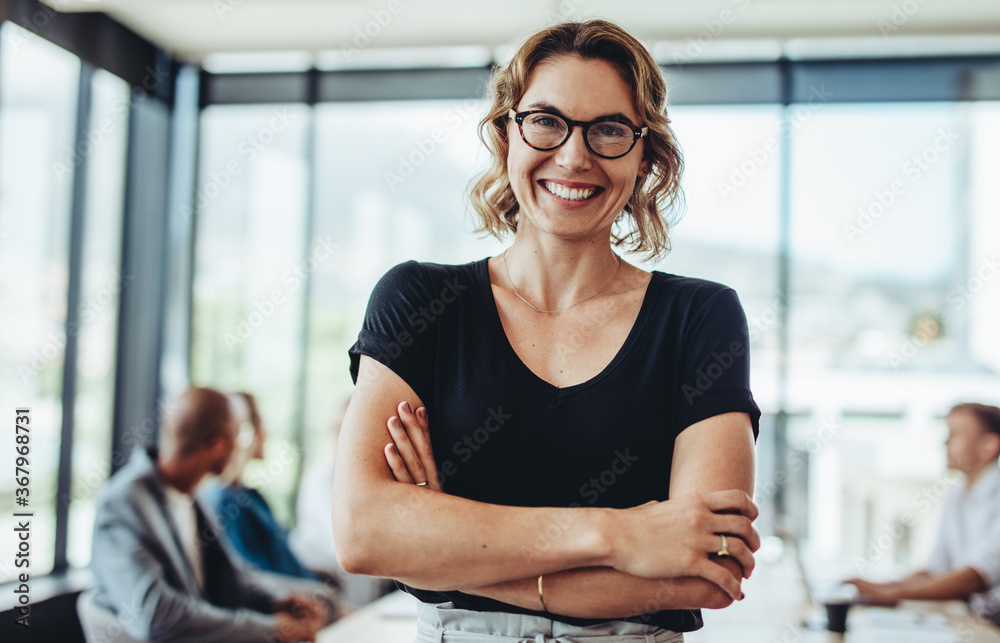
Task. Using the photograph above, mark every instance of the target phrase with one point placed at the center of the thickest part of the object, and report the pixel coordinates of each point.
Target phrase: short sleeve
(715, 362)
(398, 331)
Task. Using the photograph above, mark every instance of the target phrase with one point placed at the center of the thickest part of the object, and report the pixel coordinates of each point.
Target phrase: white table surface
(773, 612)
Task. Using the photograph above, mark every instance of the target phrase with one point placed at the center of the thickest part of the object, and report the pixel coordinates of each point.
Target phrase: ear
(217, 443)
(643, 168)
(992, 444)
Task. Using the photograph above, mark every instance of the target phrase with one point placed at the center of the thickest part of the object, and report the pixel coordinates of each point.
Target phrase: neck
(554, 274)
(974, 474)
(181, 475)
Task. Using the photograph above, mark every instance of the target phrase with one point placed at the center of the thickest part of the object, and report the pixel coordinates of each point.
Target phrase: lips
(571, 191)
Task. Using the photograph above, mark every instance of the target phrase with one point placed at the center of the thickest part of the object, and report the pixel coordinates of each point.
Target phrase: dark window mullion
(73, 298)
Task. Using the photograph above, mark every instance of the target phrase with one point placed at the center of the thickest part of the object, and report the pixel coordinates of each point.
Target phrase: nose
(574, 155)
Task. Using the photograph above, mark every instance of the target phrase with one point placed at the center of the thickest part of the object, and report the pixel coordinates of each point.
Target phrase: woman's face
(580, 90)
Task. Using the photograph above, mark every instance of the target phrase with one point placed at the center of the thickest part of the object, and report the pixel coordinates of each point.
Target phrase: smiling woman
(587, 494)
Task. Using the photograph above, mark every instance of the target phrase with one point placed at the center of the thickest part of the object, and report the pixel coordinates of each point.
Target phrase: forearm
(434, 540)
(916, 577)
(602, 592)
(958, 584)
(437, 541)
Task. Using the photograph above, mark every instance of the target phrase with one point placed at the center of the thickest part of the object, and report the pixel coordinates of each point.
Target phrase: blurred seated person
(965, 561)
(159, 565)
(245, 516)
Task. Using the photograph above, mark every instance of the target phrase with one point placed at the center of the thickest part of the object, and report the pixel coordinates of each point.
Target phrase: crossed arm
(610, 563)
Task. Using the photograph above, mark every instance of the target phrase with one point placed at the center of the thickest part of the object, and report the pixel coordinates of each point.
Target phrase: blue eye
(545, 121)
(611, 130)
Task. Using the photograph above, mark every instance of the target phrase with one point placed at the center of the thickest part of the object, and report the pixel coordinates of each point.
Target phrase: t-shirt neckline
(493, 313)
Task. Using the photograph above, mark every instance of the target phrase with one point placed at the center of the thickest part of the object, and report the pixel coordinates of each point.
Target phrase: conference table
(775, 610)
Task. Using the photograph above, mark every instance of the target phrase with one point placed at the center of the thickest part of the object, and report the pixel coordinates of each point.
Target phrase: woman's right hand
(680, 537)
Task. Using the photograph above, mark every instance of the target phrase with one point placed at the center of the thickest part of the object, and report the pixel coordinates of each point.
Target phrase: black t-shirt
(505, 436)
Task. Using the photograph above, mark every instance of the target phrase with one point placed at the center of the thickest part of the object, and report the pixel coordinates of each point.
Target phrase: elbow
(353, 559)
(356, 540)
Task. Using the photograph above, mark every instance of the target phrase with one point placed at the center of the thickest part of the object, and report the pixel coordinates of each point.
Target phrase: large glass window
(729, 232)
(41, 161)
(392, 185)
(38, 107)
(894, 259)
(102, 281)
(252, 261)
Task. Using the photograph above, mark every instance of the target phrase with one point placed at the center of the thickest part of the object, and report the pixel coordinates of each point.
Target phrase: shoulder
(429, 273)
(420, 282)
(693, 293)
(131, 489)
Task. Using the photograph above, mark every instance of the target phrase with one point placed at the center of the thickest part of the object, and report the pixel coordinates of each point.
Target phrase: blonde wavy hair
(656, 193)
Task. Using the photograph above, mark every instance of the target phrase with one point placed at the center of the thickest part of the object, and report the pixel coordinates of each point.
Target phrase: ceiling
(192, 29)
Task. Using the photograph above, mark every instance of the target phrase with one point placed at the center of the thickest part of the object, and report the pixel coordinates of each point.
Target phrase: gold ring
(725, 547)
(424, 484)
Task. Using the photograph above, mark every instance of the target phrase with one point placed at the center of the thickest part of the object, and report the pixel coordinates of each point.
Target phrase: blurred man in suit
(158, 560)
(965, 562)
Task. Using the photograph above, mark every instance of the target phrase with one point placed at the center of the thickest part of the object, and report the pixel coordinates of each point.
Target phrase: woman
(591, 422)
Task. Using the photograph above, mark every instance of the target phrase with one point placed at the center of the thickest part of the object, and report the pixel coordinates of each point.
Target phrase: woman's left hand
(409, 455)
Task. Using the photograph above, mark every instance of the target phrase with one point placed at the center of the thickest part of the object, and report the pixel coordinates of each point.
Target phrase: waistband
(445, 623)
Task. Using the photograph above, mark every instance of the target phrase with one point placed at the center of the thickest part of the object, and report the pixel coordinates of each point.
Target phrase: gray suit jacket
(143, 576)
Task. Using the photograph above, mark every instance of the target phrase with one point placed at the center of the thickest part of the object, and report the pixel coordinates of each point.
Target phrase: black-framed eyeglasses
(607, 137)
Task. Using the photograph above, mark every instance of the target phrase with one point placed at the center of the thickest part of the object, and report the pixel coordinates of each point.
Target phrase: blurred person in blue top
(246, 518)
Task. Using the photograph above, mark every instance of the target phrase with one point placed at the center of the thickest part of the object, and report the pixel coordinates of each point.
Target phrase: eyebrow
(616, 116)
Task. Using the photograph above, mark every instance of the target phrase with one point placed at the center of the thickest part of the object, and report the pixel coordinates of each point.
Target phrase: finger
(418, 438)
(739, 552)
(737, 526)
(404, 445)
(719, 575)
(732, 500)
(396, 464)
(421, 440)
(422, 418)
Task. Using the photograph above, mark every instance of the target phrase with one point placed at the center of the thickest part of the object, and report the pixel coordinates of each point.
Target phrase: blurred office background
(208, 191)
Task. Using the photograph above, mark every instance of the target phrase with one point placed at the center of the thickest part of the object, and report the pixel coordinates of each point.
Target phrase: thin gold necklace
(551, 312)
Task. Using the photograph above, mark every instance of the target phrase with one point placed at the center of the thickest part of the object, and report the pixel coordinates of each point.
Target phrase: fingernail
(406, 407)
(422, 413)
(742, 596)
(392, 448)
(394, 422)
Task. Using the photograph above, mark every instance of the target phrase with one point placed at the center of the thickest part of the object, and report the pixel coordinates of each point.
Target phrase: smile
(570, 194)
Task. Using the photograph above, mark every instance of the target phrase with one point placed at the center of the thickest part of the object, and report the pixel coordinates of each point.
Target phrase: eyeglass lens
(606, 138)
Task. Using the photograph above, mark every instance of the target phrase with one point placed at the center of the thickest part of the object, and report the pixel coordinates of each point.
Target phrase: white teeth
(567, 193)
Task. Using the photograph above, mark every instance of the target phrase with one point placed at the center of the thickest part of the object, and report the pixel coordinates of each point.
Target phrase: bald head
(194, 421)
